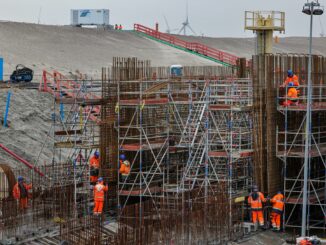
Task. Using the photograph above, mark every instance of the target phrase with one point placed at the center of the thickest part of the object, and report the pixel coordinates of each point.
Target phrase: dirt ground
(29, 121)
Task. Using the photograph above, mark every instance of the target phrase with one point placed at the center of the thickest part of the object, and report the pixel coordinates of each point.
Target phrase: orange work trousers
(257, 216)
(276, 220)
(98, 207)
(23, 203)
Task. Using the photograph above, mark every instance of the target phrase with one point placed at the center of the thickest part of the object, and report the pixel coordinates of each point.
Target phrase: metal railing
(193, 46)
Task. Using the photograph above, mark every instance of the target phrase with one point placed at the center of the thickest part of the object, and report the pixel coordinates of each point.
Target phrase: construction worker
(116, 27)
(124, 170)
(20, 192)
(120, 27)
(94, 164)
(291, 78)
(99, 190)
(277, 210)
(292, 95)
(256, 200)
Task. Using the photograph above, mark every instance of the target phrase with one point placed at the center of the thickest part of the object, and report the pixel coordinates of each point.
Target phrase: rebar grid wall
(182, 137)
(44, 203)
(86, 230)
(109, 137)
(282, 135)
(195, 219)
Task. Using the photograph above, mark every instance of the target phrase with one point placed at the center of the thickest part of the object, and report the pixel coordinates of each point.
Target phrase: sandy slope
(245, 47)
(87, 50)
(68, 49)
(30, 120)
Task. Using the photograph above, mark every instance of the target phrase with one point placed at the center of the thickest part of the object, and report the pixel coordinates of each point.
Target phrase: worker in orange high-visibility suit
(256, 200)
(291, 78)
(99, 191)
(292, 95)
(124, 170)
(292, 83)
(94, 164)
(277, 210)
(20, 192)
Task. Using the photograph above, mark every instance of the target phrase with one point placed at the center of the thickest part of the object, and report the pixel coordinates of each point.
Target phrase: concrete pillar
(264, 42)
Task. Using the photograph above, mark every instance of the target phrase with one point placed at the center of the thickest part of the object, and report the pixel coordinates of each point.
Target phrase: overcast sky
(209, 17)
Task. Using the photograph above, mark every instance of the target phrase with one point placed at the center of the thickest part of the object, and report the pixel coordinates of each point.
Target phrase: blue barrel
(1, 69)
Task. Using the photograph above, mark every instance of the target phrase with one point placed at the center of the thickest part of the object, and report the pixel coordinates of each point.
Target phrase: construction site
(196, 127)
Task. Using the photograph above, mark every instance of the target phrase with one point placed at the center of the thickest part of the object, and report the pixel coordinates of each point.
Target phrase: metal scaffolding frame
(181, 137)
(76, 136)
(290, 149)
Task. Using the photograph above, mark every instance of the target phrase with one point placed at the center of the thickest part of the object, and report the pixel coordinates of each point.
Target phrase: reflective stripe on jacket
(99, 190)
(257, 204)
(278, 203)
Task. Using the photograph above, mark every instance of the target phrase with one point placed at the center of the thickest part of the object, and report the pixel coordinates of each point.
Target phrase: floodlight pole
(311, 5)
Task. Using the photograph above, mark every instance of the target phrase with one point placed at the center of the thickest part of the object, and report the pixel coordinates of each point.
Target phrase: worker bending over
(256, 200)
(20, 192)
(94, 164)
(292, 95)
(277, 210)
(99, 191)
(292, 84)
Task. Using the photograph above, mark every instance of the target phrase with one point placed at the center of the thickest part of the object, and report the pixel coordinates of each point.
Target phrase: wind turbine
(186, 24)
(168, 30)
(39, 16)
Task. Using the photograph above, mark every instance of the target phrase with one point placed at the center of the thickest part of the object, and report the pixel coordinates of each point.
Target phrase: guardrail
(56, 83)
(192, 46)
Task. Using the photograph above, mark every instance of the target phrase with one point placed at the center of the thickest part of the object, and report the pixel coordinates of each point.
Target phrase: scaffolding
(61, 192)
(218, 134)
(291, 144)
(76, 136)
(188, 142)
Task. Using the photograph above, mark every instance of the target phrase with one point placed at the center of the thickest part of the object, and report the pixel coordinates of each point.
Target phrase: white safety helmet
(126, 162)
